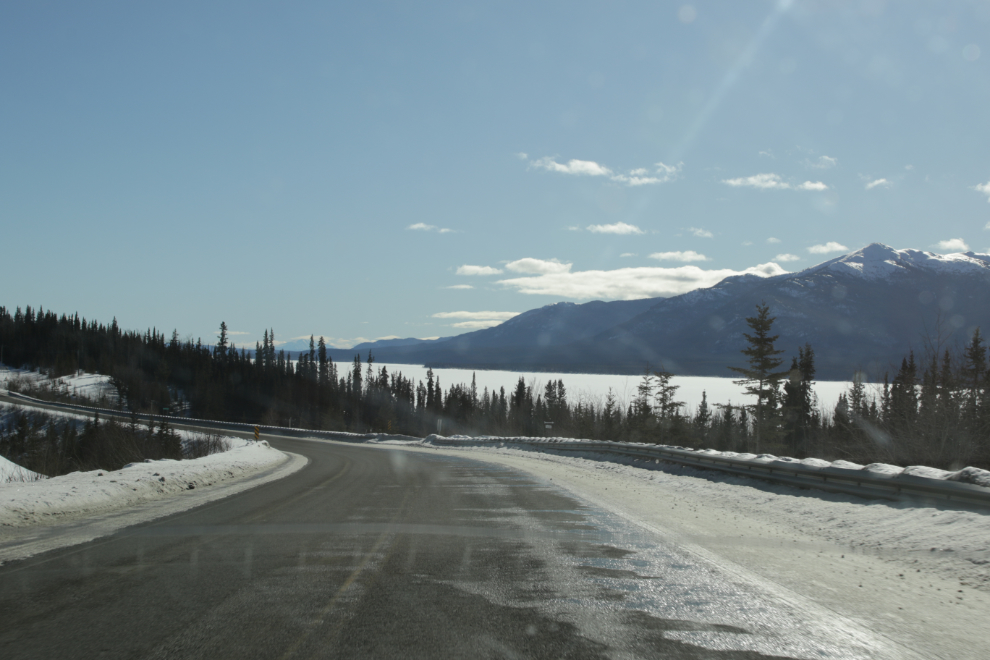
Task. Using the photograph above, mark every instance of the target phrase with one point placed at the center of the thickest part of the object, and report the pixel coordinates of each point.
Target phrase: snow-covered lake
(594, 387)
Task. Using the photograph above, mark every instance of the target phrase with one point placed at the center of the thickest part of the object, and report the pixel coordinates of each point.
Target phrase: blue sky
(364, 170)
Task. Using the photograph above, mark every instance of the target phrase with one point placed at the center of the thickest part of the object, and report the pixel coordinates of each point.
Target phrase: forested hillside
(934, 410)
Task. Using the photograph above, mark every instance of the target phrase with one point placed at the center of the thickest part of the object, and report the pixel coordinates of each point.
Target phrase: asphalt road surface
(372, 552)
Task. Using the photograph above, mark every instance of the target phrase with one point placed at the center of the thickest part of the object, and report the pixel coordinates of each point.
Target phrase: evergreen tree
(666, 409)
(356, 387)
(430, 392)
(761, 378)
(221, 349)
(973, 375)
(798, 407)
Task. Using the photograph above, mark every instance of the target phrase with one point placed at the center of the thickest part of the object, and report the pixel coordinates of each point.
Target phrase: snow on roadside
(186, 437)
(919, 576)
(88, 386)
(950, 541)
(968, 475)
(10, 472)
(91, 493)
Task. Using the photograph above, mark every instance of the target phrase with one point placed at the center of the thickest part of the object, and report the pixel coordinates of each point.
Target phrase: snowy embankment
(920, 574)
(13, 472)
(80, 385)
(80, 494)
(967, 475)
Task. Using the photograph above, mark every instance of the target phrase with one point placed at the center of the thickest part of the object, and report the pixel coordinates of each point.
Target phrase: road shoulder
(891, 593)
(82, 525)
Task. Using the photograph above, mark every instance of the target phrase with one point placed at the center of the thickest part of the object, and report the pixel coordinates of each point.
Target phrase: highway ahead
(370, 552)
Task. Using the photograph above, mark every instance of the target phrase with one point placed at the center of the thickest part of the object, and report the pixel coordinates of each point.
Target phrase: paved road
(370, 552)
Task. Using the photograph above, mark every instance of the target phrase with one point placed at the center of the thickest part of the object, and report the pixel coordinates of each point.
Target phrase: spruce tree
(666, 409)
(221, 351)
(761, 377)
(973, 371)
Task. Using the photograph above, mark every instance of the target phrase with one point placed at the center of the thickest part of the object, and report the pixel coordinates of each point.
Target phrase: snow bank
(918, 575)
(968, 475)
(12, 472)
(88, 386)
(89, 493)
(953, 542)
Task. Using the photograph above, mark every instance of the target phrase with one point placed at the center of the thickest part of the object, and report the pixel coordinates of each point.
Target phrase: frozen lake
(594, 387)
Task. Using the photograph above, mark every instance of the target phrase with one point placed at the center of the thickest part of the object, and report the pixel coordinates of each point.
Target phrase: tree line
(934, 409)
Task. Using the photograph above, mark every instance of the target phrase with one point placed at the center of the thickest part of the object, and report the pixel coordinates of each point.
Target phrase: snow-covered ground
(91, 387)
(38, 514)
(13, 472)
(99, 491)
(920, 575)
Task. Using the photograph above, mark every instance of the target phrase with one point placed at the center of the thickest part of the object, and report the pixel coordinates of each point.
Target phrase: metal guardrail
(208, 423)
(918, 490)
(862, 483)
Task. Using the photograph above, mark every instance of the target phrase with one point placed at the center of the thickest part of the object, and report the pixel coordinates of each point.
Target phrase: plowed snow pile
(14, 472)
(79, 494)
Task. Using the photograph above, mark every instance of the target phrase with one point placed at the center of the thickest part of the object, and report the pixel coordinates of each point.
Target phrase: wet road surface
(372, 552)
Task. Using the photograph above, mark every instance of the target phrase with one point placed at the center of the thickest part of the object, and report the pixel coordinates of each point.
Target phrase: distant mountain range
(862, 311)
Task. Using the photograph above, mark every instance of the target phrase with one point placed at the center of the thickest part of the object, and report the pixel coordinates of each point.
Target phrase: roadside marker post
(257, 432)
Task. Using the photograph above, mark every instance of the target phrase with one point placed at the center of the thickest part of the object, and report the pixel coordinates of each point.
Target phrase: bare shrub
(204, 444)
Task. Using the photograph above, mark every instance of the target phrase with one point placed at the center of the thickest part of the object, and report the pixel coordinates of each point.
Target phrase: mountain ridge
(860, 311)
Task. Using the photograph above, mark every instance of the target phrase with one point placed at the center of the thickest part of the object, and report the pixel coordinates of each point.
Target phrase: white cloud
(983, 188)
(476, 320)
(630, 283)
(877, 183)
(422, 226)
(825, 248)
(787, 257)
(763, 181)
(475, 325)
(952, 245)
(459, 286)
(476, 316)
(824, 162)
(478, 270)
(537, 266)
(522, 155)
(688, 255)
(770, 181)
(573, 166)
(987, 226)
(747, 243)
(773, 240)
(641, 176)
(617, 228)
(701, 233)
(633, 254)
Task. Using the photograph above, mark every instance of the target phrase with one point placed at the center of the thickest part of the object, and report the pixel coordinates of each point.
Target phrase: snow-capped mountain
(862, 311)
(880, 261)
